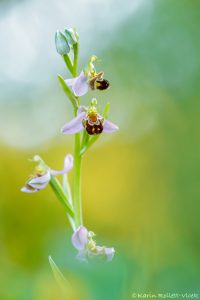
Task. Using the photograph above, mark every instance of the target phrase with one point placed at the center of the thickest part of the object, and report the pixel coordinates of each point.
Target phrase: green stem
(77, 203)
(77, 181)
(90, 142)
(85, 139)
(75, 64)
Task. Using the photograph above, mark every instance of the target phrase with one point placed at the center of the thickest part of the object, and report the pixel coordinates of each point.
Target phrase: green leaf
(61, 195)
(106, 110)
(61, 280)
(68, 92)
(85, 139)
(67, 190)
(68, 63)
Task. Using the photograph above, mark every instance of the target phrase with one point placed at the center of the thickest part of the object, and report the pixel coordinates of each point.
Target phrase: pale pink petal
(82, 108)
(80, 238)
(109, 127)
(70, 82)
(110, 252)
(75, 125)
(25, 189)
(68, 165)
(40, 182)
(38, 186)
(80, 85)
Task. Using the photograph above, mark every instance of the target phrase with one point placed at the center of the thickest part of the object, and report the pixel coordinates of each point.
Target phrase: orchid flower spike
(82, 240)
(88, 78)
(43, 173)
(89, 119)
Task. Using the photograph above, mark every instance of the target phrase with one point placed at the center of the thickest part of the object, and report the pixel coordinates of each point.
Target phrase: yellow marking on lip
(97, 84)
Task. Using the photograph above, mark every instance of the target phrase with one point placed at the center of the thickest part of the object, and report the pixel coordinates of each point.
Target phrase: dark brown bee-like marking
(98, 82)
(102, 84)
(93, 129)
(93, 124)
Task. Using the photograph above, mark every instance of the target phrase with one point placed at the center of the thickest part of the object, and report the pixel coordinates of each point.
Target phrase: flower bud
(62, 45)
(71, 36)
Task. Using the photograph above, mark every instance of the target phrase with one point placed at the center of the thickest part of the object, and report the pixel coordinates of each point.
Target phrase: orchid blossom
(42, 175)
(82, 240)
(88, 79)
(86, 125)
(88, 118)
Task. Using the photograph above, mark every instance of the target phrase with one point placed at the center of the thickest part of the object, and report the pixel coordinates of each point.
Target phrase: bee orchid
(82, 240)
(80, 85)
(89, 79)
(42, 175)
(90, 120)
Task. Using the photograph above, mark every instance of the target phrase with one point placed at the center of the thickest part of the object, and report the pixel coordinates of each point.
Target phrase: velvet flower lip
(42, 175)
(88, 79)
(82, 240)
(89, 119)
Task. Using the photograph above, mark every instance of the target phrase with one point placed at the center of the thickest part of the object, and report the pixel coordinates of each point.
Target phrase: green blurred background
(141, 185)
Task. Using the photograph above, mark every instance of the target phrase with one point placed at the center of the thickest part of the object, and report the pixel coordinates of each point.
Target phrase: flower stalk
(87, 126)
(76, 53)
(77, 181)
(77, 158)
